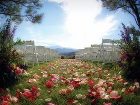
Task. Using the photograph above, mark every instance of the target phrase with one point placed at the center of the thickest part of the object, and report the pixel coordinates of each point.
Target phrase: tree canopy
(130, 6)
(19, 10)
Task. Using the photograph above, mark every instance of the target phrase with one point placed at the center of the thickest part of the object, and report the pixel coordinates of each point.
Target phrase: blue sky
(74, 24)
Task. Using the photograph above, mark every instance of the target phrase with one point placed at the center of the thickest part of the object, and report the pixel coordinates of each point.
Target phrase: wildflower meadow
(71, 82)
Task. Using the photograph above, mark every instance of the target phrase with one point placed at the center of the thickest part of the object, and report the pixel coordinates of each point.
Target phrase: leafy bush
(130, 53)
(8, 56)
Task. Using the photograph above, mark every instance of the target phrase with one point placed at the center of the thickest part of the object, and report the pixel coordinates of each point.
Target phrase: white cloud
(81, 26)
(57, 1)
(81, 23)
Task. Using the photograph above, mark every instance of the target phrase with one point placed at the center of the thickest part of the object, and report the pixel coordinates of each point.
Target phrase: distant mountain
(54, 46)
(62, 50)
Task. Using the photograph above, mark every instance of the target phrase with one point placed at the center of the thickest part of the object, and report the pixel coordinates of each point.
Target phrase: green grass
(71, 69)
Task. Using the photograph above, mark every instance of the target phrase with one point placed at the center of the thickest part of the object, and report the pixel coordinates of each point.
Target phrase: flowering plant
(130, 53)
(8, 56)
(31, 94)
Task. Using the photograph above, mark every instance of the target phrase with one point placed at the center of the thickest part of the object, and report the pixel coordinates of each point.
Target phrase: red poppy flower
(75, 84)
(31, 94)
(115, 95)
(27, 94)
(34, 90)
(93, 93)
(91, 83)
(5, 103)
(70, 101)
(18, 71)
(110, 84)
(49, 84)
(6, 98)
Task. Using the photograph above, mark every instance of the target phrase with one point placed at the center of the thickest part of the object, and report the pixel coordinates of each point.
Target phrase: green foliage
(18, 42)
(6, 43)
(130, 55)
(107, 65)
(130, 6)
(127, 100)
(8, 56)
(19, 10)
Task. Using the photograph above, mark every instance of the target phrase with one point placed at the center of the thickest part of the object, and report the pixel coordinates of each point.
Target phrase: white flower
(79, 96)
(125, 83)
(83, 75)
(75, 101)
(106, 96)
(14, 99)
(71, 87)
(26, 73)
(45, 75)
(48, 99)
(137, 84)
(123, 89)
